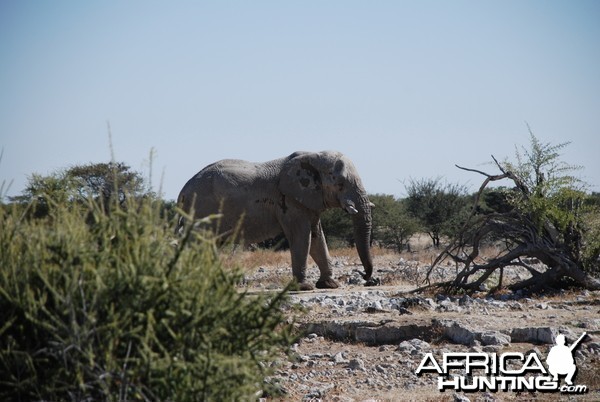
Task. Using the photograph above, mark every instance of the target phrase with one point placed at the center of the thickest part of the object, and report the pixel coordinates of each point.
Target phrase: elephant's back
(199, 187)
(225, 179)
(228, 172)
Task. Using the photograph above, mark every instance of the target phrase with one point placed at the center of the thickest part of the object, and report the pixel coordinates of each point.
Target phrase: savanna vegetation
(99, 299)
(543, 216)
(541, 213)
(97, 302)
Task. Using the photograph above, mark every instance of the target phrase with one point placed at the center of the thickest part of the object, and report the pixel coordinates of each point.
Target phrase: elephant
(286, 195)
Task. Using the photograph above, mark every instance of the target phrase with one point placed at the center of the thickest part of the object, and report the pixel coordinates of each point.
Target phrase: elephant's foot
(373, 282)
(305, 286)
(327, 284)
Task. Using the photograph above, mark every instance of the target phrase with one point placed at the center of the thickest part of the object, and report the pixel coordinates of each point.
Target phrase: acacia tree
(103, 182)
(436, 205)
(392, 225)
(549, 219)
(106, 181)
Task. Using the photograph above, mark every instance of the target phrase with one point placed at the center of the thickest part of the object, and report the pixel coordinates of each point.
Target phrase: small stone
(495, 338)
(405, 346)
(356, 364)
(339, 358)
(419, 344)
(535, 350)
(429, 304)
(381, 369)
(460, 398)
(594, 347)
(458, 333)
(492, 348)
(534, 335)
(516, 306)
(404, 310)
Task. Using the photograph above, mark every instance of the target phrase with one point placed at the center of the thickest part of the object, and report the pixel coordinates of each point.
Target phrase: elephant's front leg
(320, 254)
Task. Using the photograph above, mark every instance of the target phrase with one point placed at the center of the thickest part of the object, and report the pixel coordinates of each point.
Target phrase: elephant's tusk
(351, 210)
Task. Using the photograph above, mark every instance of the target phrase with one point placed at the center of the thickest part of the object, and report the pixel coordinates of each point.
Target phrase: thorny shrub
(106, 306)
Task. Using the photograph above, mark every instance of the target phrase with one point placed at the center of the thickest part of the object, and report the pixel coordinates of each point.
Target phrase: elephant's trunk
(362, 235)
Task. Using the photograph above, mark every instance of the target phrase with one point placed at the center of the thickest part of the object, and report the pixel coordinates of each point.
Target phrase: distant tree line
(431, 206)
(107, 184)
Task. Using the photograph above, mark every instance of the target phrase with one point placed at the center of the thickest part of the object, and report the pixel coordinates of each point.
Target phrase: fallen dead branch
(530, 229)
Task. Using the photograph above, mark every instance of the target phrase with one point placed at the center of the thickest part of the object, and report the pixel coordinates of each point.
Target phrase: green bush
(440, 207)
(102, 306)
(392, 225)
(338, 228)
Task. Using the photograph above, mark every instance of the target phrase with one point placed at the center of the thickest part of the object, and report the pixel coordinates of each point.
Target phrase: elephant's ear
(301, 180)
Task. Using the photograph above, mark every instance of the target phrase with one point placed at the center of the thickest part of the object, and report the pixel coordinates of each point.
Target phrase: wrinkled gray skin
(286, 196)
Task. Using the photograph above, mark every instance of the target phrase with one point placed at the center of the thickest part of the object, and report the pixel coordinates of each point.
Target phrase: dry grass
(420, 245)
(250, 260)
(272, 269)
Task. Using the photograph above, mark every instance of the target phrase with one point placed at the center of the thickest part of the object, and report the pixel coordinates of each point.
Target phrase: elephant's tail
(180, 218)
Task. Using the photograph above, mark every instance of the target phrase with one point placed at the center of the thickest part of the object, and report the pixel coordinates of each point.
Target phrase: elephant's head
(324, 180)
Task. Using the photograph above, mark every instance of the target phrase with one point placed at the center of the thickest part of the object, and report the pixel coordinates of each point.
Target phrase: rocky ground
(365, 343)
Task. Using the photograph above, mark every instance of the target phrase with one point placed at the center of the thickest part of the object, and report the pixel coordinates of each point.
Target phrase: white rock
(339, 358)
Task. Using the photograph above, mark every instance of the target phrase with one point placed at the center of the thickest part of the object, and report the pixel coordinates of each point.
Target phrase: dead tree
(524, 236)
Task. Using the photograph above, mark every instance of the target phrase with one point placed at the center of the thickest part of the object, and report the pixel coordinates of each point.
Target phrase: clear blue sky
(404, 88)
